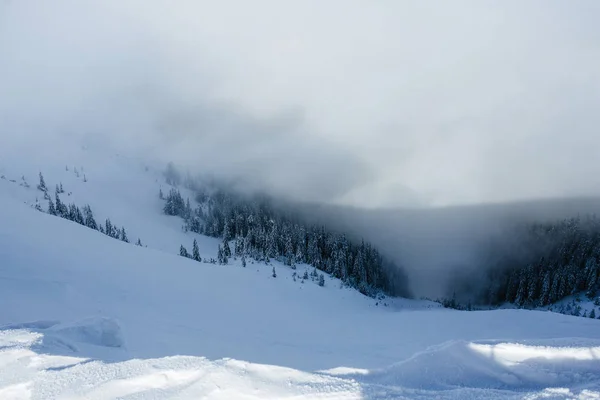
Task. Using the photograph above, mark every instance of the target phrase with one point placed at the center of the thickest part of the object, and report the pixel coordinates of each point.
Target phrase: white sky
(373, 103)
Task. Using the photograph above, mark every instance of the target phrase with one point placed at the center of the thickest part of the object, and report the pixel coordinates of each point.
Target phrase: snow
(85, 316)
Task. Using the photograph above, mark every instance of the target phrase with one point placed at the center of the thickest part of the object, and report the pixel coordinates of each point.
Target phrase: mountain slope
(87, 316)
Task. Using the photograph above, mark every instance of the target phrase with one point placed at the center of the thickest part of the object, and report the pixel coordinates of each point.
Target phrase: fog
(379, 105)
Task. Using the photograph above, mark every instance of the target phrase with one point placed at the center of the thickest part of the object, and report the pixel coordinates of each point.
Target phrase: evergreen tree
(321, 280)
(183, 252)
(61, 208)
(139, 242)
(226, 249)
(79, 216)
(42, 185)
(109, 229)
(196, 251)
(274, 275)
(593, 313)
(123, 235)
(243, 261)
(51, 208)
(90, 222)
(220, 255)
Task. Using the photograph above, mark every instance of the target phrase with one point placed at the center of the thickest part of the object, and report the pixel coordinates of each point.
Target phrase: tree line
(253, 227)
(547, 262)
(83, 216)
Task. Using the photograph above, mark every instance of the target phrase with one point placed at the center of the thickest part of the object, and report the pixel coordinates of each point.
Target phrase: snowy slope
(87, 316)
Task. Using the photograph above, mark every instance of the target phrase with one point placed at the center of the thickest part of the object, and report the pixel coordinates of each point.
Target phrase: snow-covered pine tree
(90, 222)
(183, 252)
(123, 235)
(79, 216)
(42, 185)
(139, 242)
(51, 208)
(274, 275)
(108, 228)
(321, 280)
(72, 215)
(196, 251)
(226, 248)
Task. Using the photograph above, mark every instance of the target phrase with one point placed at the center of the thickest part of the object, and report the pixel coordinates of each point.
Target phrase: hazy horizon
(375, 105)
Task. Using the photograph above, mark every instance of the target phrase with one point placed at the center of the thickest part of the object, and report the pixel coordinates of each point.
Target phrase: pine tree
(183, 252)
(196, 251)
(160, 194)
(38, 206)
(305, 276)
(226, 249)
(321, 280)
(123, 235)
(593, 313)
(72, 212)
(51, 208)
(79, 216)
(61, 208)
(188, 210)
(546, 285)
(61, 190)
(42, 185)
(90, 222)
(220, 255)
(244, 261)
(108, 228)
(274, 275)
(139, 242)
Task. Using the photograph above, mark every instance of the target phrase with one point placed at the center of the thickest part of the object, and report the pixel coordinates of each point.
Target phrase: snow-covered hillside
(85, 316)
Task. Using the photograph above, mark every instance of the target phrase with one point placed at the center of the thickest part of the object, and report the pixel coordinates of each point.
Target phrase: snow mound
(98, 331)
(498, 365)
(27, 374)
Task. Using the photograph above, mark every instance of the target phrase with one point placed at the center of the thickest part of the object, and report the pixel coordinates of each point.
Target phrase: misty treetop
(562, 258)
(259, 230)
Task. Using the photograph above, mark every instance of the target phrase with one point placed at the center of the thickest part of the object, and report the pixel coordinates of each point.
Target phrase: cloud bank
(373, 104)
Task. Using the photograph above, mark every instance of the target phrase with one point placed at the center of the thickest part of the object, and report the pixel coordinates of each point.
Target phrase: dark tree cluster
(563, 259)
(254, 228)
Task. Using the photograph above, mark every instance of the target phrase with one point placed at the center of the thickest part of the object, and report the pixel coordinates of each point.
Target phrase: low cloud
(383, 104)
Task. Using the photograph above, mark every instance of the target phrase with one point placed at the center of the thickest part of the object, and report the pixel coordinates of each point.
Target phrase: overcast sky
(371, 103)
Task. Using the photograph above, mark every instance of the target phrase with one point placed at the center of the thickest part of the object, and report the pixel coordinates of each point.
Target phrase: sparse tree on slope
(183, 252)
(123, 235)
(196, 251)
(51, 208)
(42, 185)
